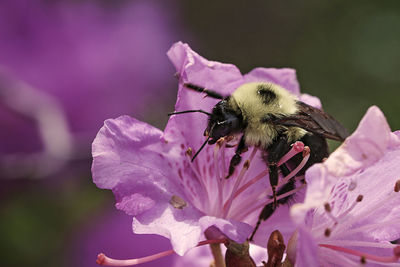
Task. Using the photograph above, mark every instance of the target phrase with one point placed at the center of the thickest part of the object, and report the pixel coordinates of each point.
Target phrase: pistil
(106, 261)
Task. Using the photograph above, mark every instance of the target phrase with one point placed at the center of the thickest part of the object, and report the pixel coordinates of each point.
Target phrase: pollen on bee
(306, 151)
(220, 142)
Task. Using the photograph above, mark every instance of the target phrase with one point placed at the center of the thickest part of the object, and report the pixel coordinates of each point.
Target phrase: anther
(220, 142)
(363, 260)
(246, 164)
(327, 207)
(397, 186)
(352, 186)
(177, 202)
(327, 232)
(189, 152)
(306, 151)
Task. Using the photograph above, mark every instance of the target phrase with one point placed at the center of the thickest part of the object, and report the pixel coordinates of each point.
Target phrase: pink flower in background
(83, 61)
(351, 211)
(153, 179)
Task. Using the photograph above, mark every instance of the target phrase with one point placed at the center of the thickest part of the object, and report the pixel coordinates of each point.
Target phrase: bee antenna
(202, 146)
(200, 89)
(189, 111)
(205, 142)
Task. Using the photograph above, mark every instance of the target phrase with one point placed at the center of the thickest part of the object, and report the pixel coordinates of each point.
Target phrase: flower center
(244, 194)
(339, 228)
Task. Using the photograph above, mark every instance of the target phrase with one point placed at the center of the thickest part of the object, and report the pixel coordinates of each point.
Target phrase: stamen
(106, 261)
(328, 210)
(238, 180)
(266, 193)
(397, 186)
(366, 256)
(219, 200)
(365, 244)
(189, 152)
(327, 207)
(336, 220)
(263, 173)
(352, 185)
(251, 182)
(362, 214)
(363, 260)
(327, 232)
(370, 227)
(297, 169)
(263, 204)
(224, 173)
(296, 148)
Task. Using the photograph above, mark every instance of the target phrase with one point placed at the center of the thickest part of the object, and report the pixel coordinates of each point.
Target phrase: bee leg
(269, 209)
(237, 158)
(275, 152)
(284, 169)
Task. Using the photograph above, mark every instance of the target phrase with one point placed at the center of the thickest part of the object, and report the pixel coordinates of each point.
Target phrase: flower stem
(219, 260)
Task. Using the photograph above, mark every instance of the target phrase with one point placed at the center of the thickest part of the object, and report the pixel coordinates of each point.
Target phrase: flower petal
(195, 69)
(311, 100)
(181, 226)
(285, 77)
(364, 147)
(131, 158)
(235, 230)
(307, 249)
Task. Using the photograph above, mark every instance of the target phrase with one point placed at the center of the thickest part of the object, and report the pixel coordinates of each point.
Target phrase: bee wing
(316, 121)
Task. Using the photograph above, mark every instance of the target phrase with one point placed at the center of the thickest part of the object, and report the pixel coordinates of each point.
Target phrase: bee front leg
(236, 159)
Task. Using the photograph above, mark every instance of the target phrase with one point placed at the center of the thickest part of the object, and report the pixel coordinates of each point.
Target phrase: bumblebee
(270, 118)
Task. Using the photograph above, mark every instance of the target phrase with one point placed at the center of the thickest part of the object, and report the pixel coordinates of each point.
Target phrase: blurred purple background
(65, 67)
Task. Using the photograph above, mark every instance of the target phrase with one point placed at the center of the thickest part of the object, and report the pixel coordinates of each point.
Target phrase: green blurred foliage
(39, 221)
(345, 52)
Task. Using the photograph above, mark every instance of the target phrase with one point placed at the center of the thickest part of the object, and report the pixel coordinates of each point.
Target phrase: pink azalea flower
(154, 180)
(351, 211)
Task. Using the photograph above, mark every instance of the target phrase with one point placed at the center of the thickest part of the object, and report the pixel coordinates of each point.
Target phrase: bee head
(223, 121)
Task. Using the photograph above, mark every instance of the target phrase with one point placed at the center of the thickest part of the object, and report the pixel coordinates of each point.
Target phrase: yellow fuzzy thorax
(253, 110)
